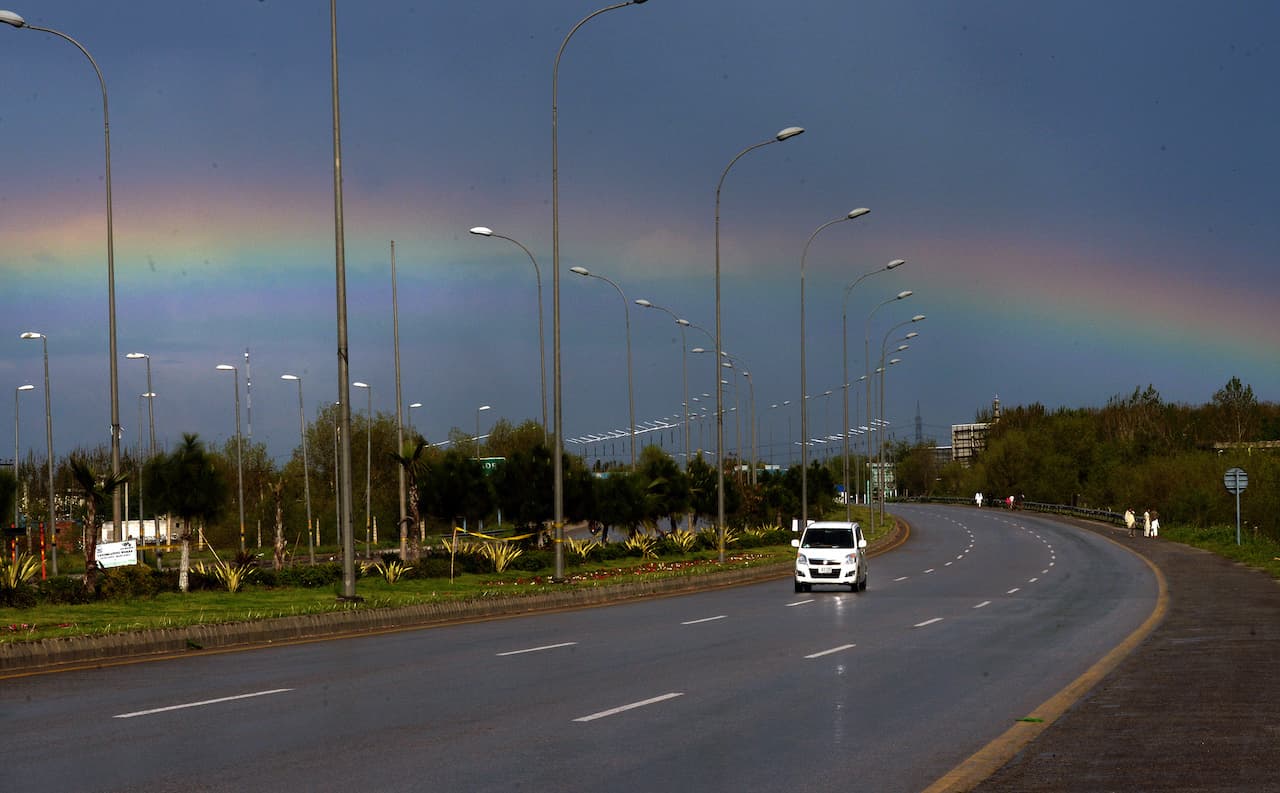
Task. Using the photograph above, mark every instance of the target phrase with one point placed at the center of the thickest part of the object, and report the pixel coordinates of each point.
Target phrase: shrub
(534, 560)
(22, 596)
(432, 567)
(681, 540)
(583, 549)
(129, 582)
(311, 576)
(63, 591)
(641, 545)
(16, 571)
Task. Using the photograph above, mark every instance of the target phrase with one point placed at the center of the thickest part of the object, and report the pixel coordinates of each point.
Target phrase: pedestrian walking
(1130, 521)
(1146, 523)
(1155, 524)
(977, 499)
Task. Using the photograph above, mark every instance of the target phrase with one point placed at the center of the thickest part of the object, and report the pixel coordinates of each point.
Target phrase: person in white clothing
(1155, 524)
(1146, 523)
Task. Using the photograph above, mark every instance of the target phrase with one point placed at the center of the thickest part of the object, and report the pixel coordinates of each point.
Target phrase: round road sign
(1236, 481)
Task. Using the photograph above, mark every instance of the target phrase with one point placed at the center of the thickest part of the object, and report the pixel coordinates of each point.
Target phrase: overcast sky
(1084, 194)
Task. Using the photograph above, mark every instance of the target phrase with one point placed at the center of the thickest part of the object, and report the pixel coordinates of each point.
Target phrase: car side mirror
(795, 543)
(862, 543)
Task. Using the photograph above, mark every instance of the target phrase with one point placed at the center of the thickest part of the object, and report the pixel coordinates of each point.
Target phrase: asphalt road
(978, 618)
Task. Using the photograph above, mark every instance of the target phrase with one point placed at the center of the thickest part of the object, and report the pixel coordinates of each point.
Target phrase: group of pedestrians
(1150, 523)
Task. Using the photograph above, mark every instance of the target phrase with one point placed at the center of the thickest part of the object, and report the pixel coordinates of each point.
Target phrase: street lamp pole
(784, 134)
(557, 461)
(402, 526)
(866, 354)
(16, 392)
(684, 362)
(368, 463)
(48, 434)
(626, 312)
(306, 469)
(804, 385)
(484, 231)
(478, 410)
(10, 18)
(151, 450)
(226, 367)
(844, 325)
(343, 480)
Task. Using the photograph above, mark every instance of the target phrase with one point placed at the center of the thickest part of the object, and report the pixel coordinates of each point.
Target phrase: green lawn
(1254, 550)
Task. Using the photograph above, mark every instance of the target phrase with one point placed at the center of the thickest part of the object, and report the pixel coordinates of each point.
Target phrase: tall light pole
(626, 313)
(804, 383)
(844, 334)
(16, 392)
(783, 134)
(10, 18)
(226, 367)
(478, 411)
(368, 462)
(684, 363)
(48, 436)
(880, 464)
(306, 468)
(402, 527)
(343, 480)
(883, 351)
(413, 406)
(151, 449)
(866, 354)
(751, 390)
(557, 461)
(484, 231)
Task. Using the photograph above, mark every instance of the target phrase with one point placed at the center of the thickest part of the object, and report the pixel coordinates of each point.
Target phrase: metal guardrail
(1104, 515)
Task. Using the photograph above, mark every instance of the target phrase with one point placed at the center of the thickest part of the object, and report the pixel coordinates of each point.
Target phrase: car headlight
(800, 559)
(851, 558)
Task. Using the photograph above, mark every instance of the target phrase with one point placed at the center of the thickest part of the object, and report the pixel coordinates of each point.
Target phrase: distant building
(967, 440)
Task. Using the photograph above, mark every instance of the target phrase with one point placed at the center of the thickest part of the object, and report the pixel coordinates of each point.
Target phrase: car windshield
(828, 538)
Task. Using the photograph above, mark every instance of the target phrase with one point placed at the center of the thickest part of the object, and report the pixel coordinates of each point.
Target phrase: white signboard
(118, 554)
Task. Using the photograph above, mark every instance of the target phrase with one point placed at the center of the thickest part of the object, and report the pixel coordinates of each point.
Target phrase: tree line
(1138, 451)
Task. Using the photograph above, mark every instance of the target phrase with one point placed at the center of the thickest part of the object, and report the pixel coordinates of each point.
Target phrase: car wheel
(864, 584)
(799, 586)
(854, 586)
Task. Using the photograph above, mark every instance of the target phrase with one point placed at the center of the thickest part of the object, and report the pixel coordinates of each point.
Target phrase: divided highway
(978, 618)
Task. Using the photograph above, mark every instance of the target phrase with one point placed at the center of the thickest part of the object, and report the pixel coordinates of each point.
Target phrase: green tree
(665, 487)
(1237, 410)
(8, 494)
(523, 485)
(411, 462)
(96, 491)
(454, 485)
(620, 503)
(187, 483)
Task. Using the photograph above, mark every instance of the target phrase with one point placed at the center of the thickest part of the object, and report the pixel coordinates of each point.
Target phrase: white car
(831, 552)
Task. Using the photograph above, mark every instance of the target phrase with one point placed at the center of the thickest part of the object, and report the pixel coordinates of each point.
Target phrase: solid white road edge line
(200, 704)
(841, 648)
(927, 622)
(624, 708)
(800, 603)
(537, 649)
(704, 619)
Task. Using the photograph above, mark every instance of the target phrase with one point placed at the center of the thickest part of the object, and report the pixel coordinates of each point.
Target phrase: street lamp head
(644, 303)
(905, 293)
(895, 263)
(580, 271)
(10, 18)
(683, 322)
(902, 347)
(225, 367)
(857, 213)
(31, 334)
(483, 407)
(699, 349)
(359, 385)
(136, 355)
(27, 387)
(892, 361)
(289, 377)
(415, 404)
(917, 317)
(910, 335)
(789, 132)
(482, 231)
(149, 395)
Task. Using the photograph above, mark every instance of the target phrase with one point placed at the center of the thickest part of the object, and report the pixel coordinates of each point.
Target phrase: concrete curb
(53, 655)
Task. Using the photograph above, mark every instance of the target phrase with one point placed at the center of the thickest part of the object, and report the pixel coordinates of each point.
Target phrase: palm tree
(97, 491)
(411, 463)
(186, 483)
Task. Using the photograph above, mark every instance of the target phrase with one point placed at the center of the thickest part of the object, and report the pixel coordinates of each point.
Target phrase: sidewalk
(1196, 707)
